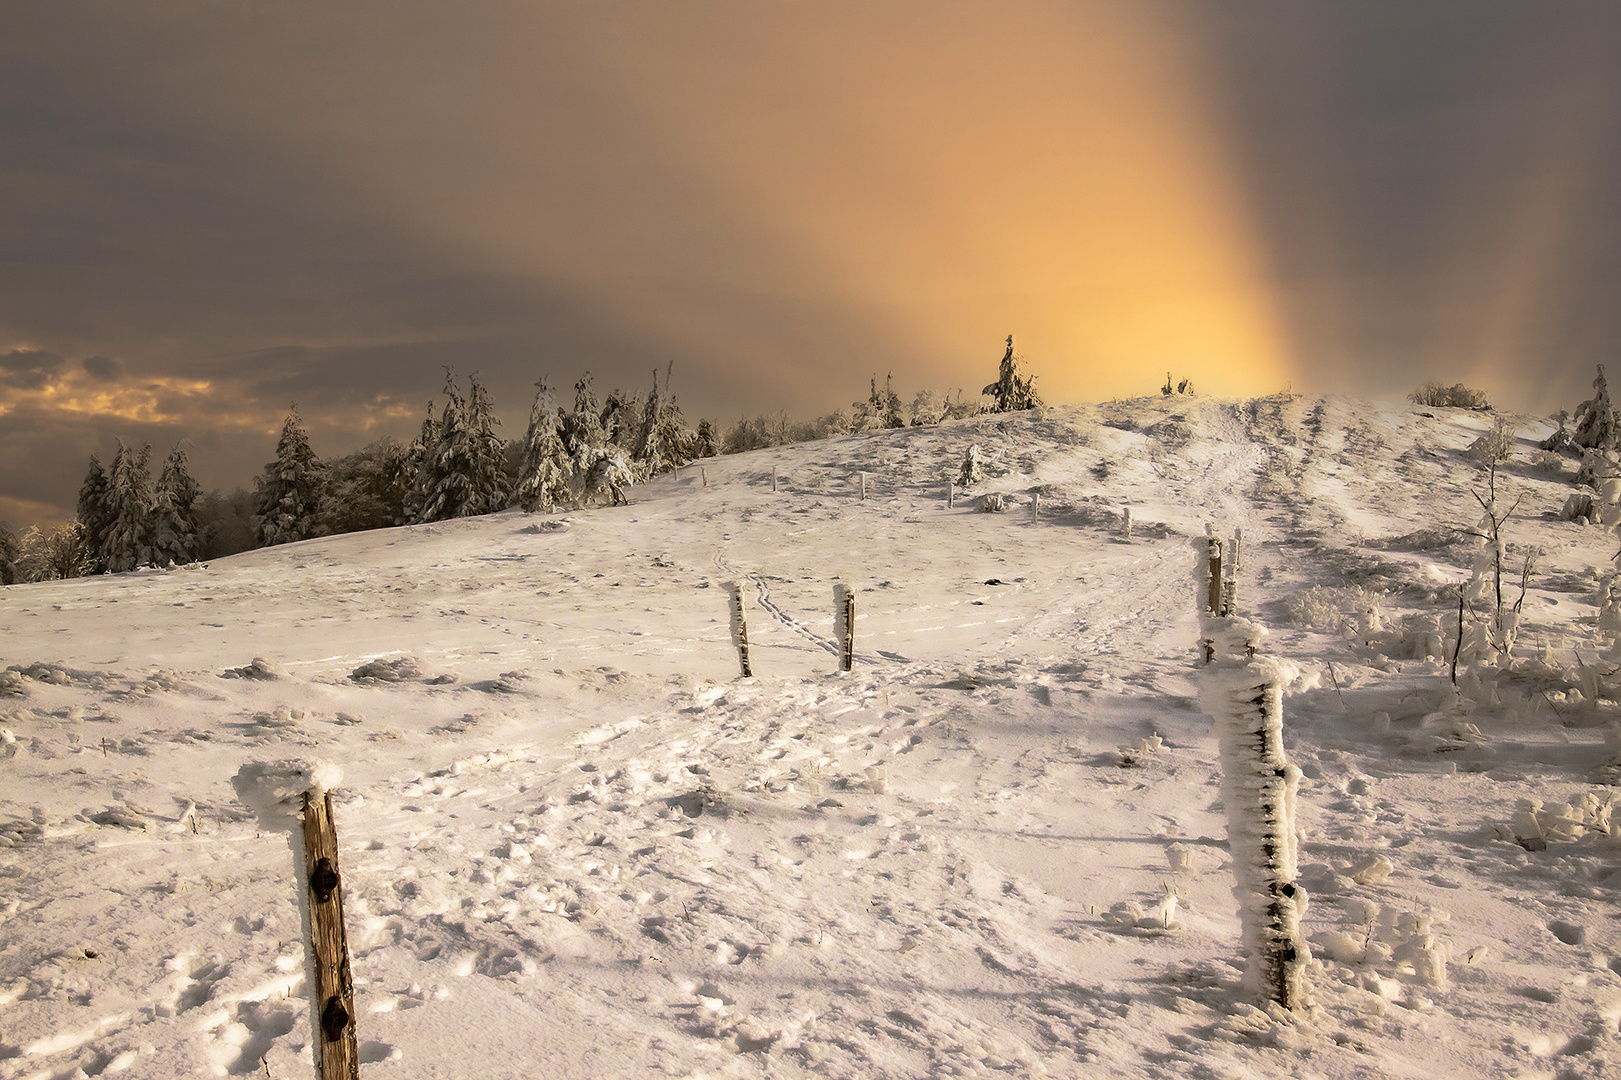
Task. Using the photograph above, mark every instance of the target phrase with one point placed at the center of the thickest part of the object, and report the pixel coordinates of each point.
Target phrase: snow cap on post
(274, 790)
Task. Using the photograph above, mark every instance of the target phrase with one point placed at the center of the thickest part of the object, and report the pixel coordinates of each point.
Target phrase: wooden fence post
(1125, 524)
(951, 494)
(336, 1054)
(1259, 788)
(773, 479)
(740, 627)
(1035, 507)
(844, 620)
(703, 475)
(863, 487)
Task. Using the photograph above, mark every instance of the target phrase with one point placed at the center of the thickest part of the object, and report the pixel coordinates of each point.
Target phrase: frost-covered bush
(1456, 396)
(1495, 446)
(1333, 609)
(1548, 462)
(993, 503)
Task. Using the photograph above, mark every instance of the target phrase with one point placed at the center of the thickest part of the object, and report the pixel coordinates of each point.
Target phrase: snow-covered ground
(575, 843)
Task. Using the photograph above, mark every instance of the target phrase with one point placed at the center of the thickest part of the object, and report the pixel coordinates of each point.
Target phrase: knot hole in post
(323, 880)
(334, 1018)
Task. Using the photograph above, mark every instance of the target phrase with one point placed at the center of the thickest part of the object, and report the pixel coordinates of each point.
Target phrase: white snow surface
(575, 843)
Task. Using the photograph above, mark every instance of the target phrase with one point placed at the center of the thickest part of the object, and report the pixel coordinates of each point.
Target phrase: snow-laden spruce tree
(704, 444)
(666, 444)
(466, 473)
(174, 519)
(417, 468)
(95, 515)
(581, 430)
(1013, 391)
(973, 467)
(128, 541)
(10, 551)
(288, 497)
(546, 477)
(1595, 425)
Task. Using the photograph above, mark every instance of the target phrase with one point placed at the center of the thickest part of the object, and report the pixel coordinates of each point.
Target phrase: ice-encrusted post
(1259, 785)
(703, 476)
(1234, 560)
(1207, 576)
(1243, 694)
(844, 624)
(740, 626)
(863, 487)
(1125, 523)
(1035, 507)
(773, 479)
(951, 494)
(294, 798)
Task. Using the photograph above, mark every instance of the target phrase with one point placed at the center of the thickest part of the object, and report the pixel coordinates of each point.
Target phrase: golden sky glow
(210, 210)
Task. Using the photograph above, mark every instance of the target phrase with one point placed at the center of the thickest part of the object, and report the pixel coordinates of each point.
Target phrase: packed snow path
(574, 843)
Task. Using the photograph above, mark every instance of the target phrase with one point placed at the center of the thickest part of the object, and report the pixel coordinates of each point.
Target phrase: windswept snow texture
(575, 843)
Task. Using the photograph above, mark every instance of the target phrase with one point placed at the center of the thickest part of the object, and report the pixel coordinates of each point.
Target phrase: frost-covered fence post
(1207, 574)
(703, 476)
(1229, 595)
(1035, 507)
(1258, 785)
(844, 625)
(951, 494)
(773, 479)
(740, 627)
(294, 798)
(863, 487)
(1125, 524)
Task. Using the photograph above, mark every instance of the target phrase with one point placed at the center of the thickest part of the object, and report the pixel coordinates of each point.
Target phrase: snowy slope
(575, 843)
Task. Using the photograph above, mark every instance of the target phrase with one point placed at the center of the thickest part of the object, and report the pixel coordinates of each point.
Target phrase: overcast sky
(211, 210)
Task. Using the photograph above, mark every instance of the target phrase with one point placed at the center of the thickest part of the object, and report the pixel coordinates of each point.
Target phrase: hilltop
(576, 843)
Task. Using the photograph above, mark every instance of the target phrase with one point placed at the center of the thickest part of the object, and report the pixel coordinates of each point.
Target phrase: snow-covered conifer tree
(95, 516)
(1011, 390)
(128, 541)
(973, 467)
(288, 499)
(581, 430)
(466, 473)
(704, 444)
(174, 521)
(417, 467)
(1596, 426)
(10, 550)
(546, 476)
(891, 411)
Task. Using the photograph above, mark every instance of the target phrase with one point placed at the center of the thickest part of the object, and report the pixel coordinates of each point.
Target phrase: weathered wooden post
(863, 487)
(951, 494)
(334, 994)
(844, 624)
(293, 798)
(1035, 507)
(773, 479)
(740, 627)
(1125, 524)
(703, 475)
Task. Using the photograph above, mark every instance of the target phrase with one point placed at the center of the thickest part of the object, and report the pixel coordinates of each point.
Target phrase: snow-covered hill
(576, 844)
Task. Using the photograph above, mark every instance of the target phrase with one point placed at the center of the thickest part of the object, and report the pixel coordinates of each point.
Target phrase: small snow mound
(273, 790)
(399, 669)
(260, 668)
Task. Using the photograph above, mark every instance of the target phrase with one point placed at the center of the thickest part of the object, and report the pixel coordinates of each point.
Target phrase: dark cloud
(104, 367)
(249, 205)
(28, 369)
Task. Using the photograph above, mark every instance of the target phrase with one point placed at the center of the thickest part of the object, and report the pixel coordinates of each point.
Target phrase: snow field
(574, 841)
